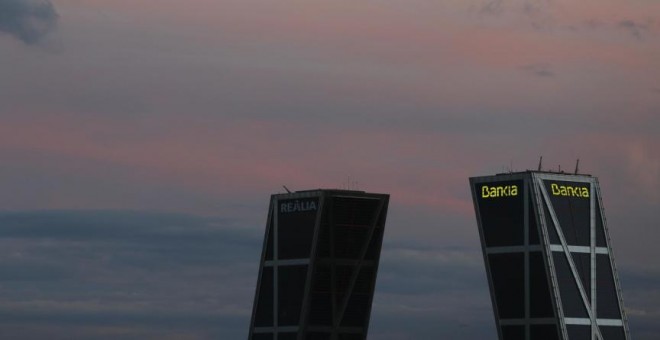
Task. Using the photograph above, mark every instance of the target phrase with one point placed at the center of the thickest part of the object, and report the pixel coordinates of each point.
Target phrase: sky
(140, 141)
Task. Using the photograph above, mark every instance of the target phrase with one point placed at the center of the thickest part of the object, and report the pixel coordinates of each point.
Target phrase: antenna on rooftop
(577, 166)
(287, 189)
(540, 163)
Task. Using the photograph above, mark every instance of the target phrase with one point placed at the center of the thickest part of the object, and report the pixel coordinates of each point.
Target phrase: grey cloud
(641, 296)
(492, 7)
(136, 272)
(540, 70)
(527, 7)
(431, 290)
(538, 13)
(533, 7)
(641, 281)
(27, 20)
(415, 271)
(153, 235)
(139, 275)
(638, 30)
(103, 224)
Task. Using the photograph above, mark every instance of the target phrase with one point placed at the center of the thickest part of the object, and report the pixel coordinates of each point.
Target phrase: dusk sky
(140, 141)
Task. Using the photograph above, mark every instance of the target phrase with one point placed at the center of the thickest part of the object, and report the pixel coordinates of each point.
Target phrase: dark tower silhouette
(318, 265)
(548, 257)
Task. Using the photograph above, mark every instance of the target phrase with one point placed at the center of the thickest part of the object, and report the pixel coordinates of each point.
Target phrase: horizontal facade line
(327, 329)
(292, 262)
(609, 322)
(359, 197)
(568, 321)
(512, 249)
(286, 329)
(345, 262)
(600, 322)
(579, 249)
(532, 321)
(351, 225)
(297, 262)
(553, 247)
(577, 321)
(564, 177)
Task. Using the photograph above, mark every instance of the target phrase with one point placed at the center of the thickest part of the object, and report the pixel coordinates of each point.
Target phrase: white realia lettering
(297, 206)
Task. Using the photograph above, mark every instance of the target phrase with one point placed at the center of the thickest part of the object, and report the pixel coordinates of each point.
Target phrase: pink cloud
(254, 155)
(466, 74)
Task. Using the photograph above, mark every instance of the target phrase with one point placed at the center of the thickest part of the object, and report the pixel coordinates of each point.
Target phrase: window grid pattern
(567, 276)
(317, 281)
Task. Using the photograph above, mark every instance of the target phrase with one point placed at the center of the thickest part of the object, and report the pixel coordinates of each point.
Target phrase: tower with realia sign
(318, 265)
(548, 257)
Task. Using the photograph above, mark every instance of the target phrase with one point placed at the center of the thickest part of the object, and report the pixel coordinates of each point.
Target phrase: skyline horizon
(139, 140)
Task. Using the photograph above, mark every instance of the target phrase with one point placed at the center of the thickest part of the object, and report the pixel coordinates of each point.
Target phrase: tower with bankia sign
(318, 265)
(548, 257)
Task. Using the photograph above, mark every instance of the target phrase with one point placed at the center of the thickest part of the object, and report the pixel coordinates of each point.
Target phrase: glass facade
(319, 265)
(548, 258)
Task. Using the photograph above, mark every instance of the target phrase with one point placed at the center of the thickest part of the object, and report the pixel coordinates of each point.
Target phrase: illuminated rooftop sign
(499, 191)
(569, 190)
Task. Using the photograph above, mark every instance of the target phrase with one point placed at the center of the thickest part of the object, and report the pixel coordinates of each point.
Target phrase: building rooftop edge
(547, 172)
(331, 191)
(543, 172)
(320, 189)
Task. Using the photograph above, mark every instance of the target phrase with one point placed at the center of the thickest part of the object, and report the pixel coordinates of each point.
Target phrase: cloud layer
(27, 20)
(126, 274)
(130, 275)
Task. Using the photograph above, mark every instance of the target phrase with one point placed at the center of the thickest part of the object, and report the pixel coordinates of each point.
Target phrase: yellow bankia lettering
(499, 191)
(569, 190)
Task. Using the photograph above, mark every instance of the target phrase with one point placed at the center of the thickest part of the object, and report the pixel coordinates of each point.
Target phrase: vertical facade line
(592, 240)
(264, 255)
(571, 263)
(323, 248)
(306, 305)
(565, 282)
(610, 253)
(475, 194)
(527, 273)
(358, 267)
(559, 310)
(276, 257)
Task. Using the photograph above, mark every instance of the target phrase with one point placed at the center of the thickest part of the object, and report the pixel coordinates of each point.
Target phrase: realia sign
(297, 206)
